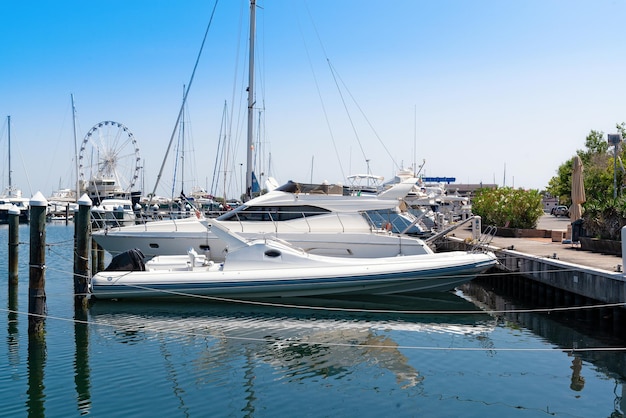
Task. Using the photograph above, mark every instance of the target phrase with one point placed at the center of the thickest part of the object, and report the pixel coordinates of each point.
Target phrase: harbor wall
(588, 282)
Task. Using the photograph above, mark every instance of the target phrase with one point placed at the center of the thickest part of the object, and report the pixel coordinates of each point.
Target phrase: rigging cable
(364, 116)
(334, 74)
(182, 106)
(317, 87)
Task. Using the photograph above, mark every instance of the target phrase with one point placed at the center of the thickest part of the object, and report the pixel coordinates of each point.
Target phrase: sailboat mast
(75, 148)
(9, 140)
(182, 154)
(250, 100)
(415, 141)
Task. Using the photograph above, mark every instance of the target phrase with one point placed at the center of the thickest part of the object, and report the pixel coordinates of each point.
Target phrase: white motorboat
(269, 268)
(113, 212)
(15, 201)
(316, 220)
(62, 205)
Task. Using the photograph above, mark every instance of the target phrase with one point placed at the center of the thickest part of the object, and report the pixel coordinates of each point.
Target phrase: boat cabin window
(272, 213)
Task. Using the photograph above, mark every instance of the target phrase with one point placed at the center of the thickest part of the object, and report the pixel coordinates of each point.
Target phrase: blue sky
(485, 91)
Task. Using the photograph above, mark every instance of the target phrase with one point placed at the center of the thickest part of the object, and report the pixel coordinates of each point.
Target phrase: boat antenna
(421, 167)
(182, 106)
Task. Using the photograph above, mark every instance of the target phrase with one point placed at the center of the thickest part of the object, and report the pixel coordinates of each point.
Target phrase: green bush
(508, 207)
(604, 218)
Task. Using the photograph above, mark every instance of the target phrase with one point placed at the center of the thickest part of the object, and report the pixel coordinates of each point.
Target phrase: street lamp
(614, 140)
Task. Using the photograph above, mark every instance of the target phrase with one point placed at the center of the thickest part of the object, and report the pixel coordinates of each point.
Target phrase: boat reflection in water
(300, 338)
(427, 355)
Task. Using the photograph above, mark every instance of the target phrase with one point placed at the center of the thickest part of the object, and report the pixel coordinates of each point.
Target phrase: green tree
(595, 143)
(603, 215)
(561, 185)
(508, 207)
(598, 171)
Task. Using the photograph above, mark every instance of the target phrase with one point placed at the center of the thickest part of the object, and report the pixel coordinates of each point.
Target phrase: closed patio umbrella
(578, 190)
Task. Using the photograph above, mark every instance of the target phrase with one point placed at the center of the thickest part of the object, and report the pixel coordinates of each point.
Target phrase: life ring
(198, 214)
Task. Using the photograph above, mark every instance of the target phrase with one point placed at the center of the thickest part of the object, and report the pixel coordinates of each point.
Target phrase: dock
(560, 273)
(547, 248)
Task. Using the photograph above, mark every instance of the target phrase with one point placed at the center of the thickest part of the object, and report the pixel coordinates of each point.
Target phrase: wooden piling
(94, 257)
(97, 257)
(82, 381)
(37, 266)
(100, 258)
(82, 237)
(36, 365)
(14, 238)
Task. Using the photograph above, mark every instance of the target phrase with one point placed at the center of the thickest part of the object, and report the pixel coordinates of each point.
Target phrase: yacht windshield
(393, 221)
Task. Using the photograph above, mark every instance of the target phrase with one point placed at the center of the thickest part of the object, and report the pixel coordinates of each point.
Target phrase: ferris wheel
(110, 151)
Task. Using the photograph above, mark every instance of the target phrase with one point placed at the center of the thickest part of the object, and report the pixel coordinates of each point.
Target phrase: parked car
(560, 211)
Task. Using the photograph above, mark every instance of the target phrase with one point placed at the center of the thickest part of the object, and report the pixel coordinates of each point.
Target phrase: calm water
(227, 359)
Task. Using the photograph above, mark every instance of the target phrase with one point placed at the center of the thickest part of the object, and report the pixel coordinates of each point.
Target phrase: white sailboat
(12, 196)
(62, 202)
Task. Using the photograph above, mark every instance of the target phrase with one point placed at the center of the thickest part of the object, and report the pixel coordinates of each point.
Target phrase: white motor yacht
(321, 220)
